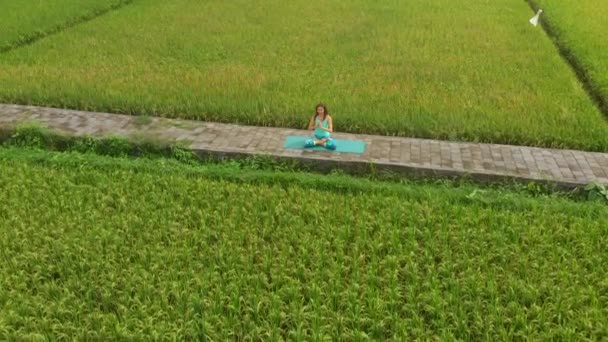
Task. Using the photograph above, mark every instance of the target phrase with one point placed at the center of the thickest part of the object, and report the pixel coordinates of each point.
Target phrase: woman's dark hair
(325, 111)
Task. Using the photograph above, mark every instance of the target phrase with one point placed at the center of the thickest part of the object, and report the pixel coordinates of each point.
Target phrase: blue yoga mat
(349, 146)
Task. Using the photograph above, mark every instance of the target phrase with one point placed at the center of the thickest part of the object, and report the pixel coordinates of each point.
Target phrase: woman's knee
(331, 144)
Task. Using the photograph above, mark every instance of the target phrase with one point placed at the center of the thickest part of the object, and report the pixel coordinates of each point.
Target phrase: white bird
(534, 20)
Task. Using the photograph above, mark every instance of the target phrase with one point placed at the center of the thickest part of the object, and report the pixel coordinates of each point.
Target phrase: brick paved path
(411, 156)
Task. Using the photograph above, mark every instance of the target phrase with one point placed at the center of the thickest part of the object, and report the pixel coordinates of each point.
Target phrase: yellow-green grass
(26, 20)
(113, 249)
(581, 28)
(465, 69)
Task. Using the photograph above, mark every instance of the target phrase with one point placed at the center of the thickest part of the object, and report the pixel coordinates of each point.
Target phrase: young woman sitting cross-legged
(321, 124)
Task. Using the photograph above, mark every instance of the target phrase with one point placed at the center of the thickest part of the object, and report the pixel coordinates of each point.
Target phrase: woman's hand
(320, 125)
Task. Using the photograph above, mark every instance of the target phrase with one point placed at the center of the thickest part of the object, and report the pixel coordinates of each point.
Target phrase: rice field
(462, 70)
(96, 248)
(101, 248)
(24, 21)
(581, 27)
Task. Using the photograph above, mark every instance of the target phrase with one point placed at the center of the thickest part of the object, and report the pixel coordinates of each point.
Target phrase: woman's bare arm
(311, 125)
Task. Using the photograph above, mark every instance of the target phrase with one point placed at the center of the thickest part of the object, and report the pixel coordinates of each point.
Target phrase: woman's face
(320, 110)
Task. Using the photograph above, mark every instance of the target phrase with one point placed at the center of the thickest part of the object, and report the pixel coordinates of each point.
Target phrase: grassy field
(26, 20)
(99, 248)
(581, 27)
(471, 70)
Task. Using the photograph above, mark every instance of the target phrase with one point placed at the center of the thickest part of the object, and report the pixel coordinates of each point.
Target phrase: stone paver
(407, 155)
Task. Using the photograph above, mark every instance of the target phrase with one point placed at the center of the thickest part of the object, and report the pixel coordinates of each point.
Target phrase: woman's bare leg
(321, 142)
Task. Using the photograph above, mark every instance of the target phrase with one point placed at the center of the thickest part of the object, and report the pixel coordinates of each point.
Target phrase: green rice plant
(114, 146)
(25, 21)
(84, 145)
(28, 134)
(183, 154)
(596, 191)
(579, 29)
(100, 248)
(468, 70)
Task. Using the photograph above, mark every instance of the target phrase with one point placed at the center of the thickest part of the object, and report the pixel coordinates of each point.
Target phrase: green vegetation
(94, 247)
(166, 247)
(34, 135)
(24, 21)
(580, 29)
(472, 70)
